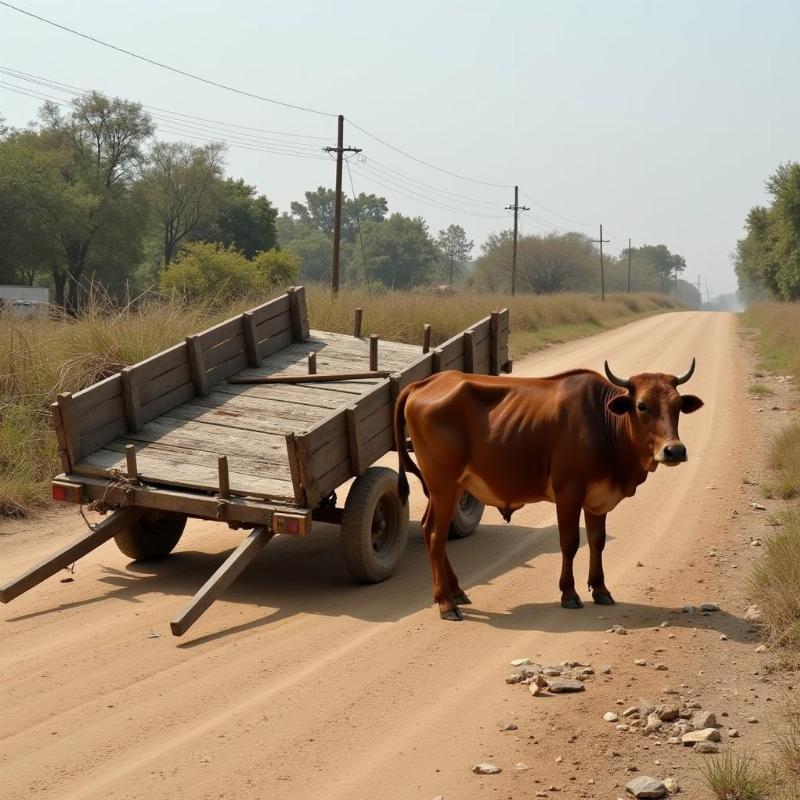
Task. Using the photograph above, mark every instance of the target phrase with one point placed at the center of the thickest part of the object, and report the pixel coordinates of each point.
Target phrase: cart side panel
(99, 414)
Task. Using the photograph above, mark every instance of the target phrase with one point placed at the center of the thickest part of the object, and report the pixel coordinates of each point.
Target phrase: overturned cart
(255, 422)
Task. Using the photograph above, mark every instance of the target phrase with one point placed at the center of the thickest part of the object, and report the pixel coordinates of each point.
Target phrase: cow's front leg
(568, 511)
(596, 535)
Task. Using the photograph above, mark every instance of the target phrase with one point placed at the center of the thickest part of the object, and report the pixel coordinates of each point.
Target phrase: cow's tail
(405, 461)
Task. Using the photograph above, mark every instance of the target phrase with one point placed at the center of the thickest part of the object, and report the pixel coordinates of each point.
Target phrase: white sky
(659, 119)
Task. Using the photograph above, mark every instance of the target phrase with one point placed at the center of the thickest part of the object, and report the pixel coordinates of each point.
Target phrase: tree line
(767, 259)
(90, 195)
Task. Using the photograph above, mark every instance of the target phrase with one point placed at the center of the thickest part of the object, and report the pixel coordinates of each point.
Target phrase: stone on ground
(645, 786)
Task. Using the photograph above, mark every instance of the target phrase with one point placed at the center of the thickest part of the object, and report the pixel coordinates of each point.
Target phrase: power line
(161, 65)
(68, 88)
(426, 163)
(358, 226)
(555, 214)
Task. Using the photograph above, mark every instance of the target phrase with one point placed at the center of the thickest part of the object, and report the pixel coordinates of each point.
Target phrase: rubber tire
(378, 485)
(467, 517)
(152, 536)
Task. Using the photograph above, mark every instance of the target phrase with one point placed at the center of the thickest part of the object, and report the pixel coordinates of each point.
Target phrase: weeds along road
(299, 684)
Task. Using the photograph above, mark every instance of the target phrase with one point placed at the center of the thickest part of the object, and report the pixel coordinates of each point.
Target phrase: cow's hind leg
(443, 505)
(596, 534)
(568, 511)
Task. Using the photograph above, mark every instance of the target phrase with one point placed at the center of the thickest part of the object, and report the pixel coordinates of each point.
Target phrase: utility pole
(340, 150)
(629, 264)
(516, 208)
(699, 293)
(600, 241)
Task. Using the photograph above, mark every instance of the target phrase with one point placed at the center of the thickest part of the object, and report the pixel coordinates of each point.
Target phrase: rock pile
(568, 676)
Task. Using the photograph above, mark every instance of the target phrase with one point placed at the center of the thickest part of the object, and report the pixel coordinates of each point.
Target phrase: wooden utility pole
(629, 264)
(601, 241)
(516, 208)
(340, 150)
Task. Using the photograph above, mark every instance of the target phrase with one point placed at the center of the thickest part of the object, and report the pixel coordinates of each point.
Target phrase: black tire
(152, 536)
(467, 517)
(374, 526)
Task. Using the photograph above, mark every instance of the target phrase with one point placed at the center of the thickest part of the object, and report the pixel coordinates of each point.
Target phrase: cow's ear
(621, 404)
(690, 403)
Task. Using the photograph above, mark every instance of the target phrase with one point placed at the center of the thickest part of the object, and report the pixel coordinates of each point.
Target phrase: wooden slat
(355, 451)
(98, 393)
(101, 533)
(250, 339)
(130, 395)
(69, 422)
(292, 453)
(217, 334)
(273, 326)
(226, 370)
(299, 313)
(166, 402)
(274, 343)
(179, 471)
(272, 308)
(232, 567)
(58, 427)
(197, 365)
(225, 351)
(165, 383)
(469, 351)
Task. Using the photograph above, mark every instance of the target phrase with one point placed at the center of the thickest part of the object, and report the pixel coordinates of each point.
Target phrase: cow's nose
(675, 452)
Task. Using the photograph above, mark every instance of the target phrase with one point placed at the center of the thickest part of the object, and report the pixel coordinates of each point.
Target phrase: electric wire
(358, 226)
(161, 65)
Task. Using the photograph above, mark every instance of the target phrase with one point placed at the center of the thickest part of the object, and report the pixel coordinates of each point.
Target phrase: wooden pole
(312, 363)
(426, 338)
(224, 478)
(130, 461)
(357, 323)
(373, 352)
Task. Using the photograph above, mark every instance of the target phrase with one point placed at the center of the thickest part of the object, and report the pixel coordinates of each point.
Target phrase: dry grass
(778, 341)
(759, 390)
(775, 583)
(41, 357)
(535, 319)
(784, 460)
(737, 776)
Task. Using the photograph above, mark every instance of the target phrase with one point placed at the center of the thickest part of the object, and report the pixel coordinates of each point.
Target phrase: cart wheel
(467, 517)
(374, 526)
(152, 536)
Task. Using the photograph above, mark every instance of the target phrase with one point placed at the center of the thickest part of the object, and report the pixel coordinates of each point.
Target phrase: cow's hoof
(603, 597)
(452, 615)
(573, 601)
(461, 599)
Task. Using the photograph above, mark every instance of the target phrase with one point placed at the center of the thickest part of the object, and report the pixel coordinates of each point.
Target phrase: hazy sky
(659, 119)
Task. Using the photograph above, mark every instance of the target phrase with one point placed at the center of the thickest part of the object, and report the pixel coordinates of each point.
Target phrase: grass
(759, 390)
(41, 357)
(784, 460)
(775, 582)
(778, 340)
(737, 776)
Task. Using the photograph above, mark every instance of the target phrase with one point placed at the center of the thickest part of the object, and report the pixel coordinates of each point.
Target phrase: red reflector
(67, 492)
(293, 526)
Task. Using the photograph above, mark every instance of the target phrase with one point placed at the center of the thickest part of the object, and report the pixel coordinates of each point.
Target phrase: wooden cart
(191, 432)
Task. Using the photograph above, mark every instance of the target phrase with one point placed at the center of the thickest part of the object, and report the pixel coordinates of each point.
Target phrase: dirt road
(299, 684)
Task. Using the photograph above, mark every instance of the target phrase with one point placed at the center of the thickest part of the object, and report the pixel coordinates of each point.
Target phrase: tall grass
(778, 342)
(41, 357)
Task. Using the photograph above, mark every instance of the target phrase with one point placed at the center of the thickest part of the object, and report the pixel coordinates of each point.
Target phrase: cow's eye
(640, 406)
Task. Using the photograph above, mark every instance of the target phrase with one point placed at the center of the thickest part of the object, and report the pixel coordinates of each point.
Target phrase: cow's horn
(686, 375)
(623, 382)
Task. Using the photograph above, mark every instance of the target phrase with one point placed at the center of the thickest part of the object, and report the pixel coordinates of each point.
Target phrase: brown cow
(573, 439)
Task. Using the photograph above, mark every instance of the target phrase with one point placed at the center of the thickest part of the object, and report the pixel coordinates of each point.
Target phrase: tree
(278, 268)
(98, 147)
(243, 219)
(455, 247)
(182, 186)
(317, 213)
(399, 251)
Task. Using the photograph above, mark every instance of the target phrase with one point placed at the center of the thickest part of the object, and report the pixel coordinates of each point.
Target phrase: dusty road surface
(299, 684)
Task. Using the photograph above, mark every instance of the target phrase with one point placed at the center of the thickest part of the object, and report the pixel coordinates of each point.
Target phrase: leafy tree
(399, 251)
(99, 146)
(317, 213)
(243, 219)
(315, 252)
(455, 247)
(278, 268)
(182, 186)
(211, 272)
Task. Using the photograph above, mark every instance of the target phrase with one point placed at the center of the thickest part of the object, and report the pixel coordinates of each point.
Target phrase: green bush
(278, 268)
(211, 272)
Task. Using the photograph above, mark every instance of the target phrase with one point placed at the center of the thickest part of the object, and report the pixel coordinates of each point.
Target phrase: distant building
(24, 301)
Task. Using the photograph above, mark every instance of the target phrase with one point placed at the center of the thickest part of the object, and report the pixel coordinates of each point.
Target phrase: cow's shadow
(308, 576)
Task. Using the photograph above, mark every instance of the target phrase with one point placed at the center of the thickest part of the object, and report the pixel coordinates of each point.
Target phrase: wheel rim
(384, 527)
